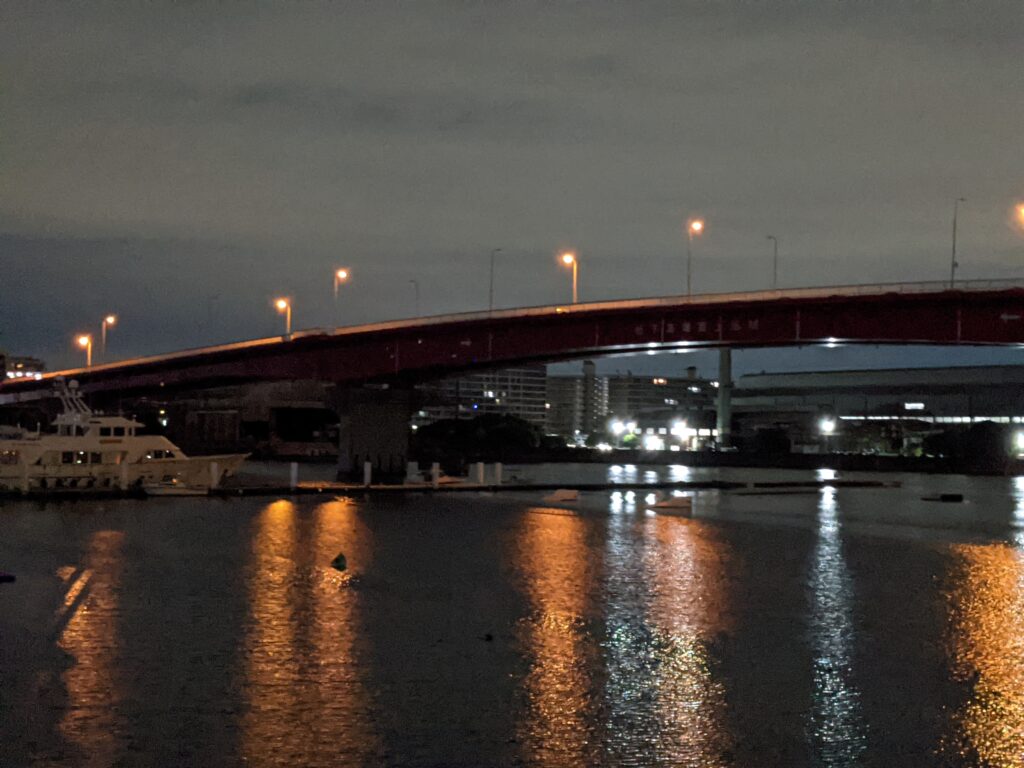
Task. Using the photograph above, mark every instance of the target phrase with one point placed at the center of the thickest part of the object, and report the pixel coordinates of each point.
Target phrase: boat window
(80, 457)
(67, 457)
(95, 458)
(8, 457)
(80, 431)
(104, 431)
(118, 431)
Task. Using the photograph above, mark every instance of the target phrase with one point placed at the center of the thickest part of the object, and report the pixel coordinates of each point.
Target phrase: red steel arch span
(973, 313)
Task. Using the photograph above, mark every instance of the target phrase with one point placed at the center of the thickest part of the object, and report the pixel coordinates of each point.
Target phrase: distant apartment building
(630, 395)
(520, 391)
(577, 405)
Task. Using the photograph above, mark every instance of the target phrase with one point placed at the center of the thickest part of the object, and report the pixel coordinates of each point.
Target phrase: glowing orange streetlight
(693, 228)
(284, 306)
(570, 260)
(1019, 210)
(340, 276)
(85, 342)
(108, 322)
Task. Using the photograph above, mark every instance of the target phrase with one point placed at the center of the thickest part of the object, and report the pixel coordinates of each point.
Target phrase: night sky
(180, 165)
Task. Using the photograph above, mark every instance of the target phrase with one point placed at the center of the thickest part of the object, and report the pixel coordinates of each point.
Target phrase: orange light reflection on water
(986, 606)
(685, 564)
(303, 688)
(553, 557)
(90, 614)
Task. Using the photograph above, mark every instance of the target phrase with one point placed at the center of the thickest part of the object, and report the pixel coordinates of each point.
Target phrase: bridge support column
(724, 421)
(374, 428)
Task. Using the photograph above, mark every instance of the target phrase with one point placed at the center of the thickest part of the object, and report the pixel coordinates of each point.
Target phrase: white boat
(92, 451)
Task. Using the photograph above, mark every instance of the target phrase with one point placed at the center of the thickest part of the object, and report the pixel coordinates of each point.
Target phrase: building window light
(913, 406)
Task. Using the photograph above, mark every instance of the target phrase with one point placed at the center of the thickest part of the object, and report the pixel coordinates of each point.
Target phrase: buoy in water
(339, 563)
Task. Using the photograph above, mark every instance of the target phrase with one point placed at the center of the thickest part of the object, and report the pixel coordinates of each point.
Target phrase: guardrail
(932, 286)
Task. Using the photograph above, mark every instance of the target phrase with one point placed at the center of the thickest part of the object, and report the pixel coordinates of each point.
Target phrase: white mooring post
(214, 475)
(293, 475)
(497, 473)
(479, 473)
(412, 472)
(367, 473)
(435, 475)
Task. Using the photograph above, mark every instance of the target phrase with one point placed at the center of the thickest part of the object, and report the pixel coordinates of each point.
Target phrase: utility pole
(953, 263)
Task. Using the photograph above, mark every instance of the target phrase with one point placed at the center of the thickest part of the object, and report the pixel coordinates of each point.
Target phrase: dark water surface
(835, 627)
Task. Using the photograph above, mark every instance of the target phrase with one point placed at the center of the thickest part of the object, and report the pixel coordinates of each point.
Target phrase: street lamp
(775, 261)
(340, 276)
(693, 228)
(416, 290)
(1019, 211)
(108, 322)
(284, 306)
(490, 301)
(953, 264)
(570, 260)
(85, 342)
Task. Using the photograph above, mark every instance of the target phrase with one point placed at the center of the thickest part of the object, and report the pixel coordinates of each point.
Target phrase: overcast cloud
(181, 164)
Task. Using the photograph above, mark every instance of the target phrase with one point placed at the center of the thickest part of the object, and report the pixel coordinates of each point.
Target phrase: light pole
(693, 227)
(284, 306)
(85, 342)
(340, 276)
(953, 265)
(570, 260)
(490, 300)
(108, 322)
(775, 261)
(416, 289)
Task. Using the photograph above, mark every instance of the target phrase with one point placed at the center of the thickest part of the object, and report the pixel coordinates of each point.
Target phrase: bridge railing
(932, 286)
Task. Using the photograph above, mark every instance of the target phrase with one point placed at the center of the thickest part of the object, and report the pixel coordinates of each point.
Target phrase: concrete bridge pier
(724, 421)
(373, 427)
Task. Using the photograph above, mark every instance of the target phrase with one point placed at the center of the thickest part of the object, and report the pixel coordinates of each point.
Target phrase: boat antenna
(70, 398)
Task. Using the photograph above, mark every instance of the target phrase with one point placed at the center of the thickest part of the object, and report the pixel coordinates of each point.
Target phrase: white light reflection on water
(677, 473)
(837, 729)
(665, 606)
(688, 615)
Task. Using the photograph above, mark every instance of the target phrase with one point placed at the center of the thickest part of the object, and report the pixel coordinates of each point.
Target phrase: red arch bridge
(402, 352)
